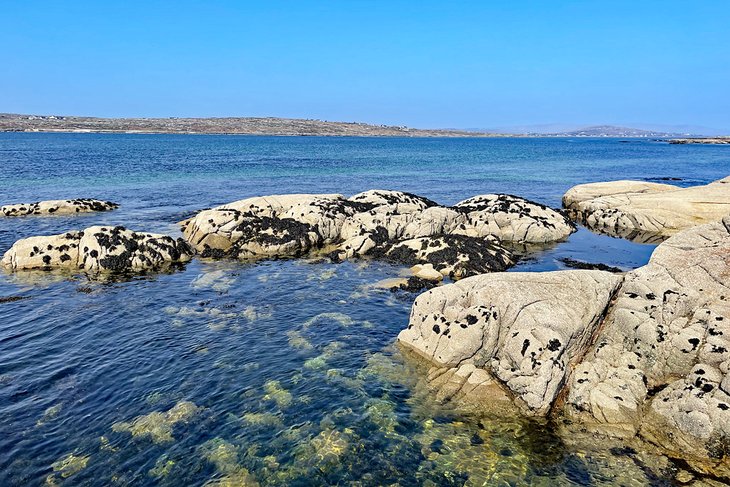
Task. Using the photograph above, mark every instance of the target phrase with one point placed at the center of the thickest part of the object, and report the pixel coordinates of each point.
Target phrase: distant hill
(612, 131)
(639, 129)
(228, 125)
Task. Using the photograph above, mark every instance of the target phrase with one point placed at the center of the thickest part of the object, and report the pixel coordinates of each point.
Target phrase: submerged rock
(647, 212)
(523, 329)
(661, 365)
(70, 465)
(97, 249)
(57, 207)
(458, 241)
(158, 425)
(579, 264)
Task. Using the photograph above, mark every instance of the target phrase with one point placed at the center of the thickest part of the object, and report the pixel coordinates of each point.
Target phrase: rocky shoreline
(701, 140)
(641, 356)
(637, 356)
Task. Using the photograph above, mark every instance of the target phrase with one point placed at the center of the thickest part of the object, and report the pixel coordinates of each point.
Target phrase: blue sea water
(290, 365)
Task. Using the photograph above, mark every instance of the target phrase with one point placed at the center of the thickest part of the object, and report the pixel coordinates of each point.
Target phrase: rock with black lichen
(523, 330)
(57, 207)
(661, 364)
(97, 248)
(459, 241)
(512, 219)
(454, 256)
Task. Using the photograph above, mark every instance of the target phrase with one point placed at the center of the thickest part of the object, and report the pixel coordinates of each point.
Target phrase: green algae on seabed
(254, 313)
(215, 280)
(381, 413)
(158, 425)
(298, 341)
(262, 419)
(274, 392)
(162, 467)
(320, 361)
(340, 318)
(325, 275)
(315, 363)
(49, 414)
(225, 457)
(67, 466)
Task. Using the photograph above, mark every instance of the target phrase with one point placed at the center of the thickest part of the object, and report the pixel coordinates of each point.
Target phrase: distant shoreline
(219, 126)
(281, 127)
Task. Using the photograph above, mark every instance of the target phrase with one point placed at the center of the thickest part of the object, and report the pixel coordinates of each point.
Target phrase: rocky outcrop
(702, 140)
(458, 241)
(656, 368)
(97, 249)
(511, 219)
(522, 329)
(661, 365)
(648, 212)
(455, 256)
(57, 207)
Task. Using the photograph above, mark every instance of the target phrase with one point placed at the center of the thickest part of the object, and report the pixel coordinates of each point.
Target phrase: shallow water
(281, 373)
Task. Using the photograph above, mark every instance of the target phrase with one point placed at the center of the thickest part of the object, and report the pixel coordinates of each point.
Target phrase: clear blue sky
(418, 63)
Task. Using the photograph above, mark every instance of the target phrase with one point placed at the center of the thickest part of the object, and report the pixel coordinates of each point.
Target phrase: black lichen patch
(464, 256)
(578, 264)
(12, 299)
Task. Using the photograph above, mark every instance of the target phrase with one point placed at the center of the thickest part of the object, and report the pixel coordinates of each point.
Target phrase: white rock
(524, 329)
(660, 366)
(639, 210)
(57, 207)
(97, 249)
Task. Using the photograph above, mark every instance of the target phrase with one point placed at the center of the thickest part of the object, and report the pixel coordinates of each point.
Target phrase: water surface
(283, 372)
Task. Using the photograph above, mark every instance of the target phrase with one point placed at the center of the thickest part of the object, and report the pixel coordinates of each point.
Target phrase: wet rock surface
(520, 329)
(579, 264)
(660, 365)
(458, 241)
(57, 207)
(646, 212)
(97, 248)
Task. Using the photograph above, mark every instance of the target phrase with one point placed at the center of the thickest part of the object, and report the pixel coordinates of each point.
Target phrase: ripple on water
(280, 372)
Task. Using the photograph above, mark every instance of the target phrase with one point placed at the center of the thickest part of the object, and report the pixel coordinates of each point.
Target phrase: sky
(457, 64)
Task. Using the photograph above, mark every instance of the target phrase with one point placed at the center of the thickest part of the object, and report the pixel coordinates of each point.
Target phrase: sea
(280, 372)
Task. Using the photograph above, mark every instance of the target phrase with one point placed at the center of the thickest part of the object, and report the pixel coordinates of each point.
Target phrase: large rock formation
(657, 367)
(97, 249)
(661, 365)
(57, 207)
(459, 241)
(646, 211)
(523, 329)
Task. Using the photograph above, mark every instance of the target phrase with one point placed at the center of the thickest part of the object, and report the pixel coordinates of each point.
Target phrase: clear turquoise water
(290, 364)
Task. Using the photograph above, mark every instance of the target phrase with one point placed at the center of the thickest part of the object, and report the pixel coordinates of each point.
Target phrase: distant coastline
(274, 126)
(219, 126)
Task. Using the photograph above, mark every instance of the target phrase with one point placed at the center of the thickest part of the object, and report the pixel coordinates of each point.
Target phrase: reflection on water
(236, 374)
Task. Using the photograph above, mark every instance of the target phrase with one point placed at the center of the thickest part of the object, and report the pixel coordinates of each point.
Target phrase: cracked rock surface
(458, 241)
(57, 207)
(646, 212)
(661, 364)
(521, 329)
(97, 249)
